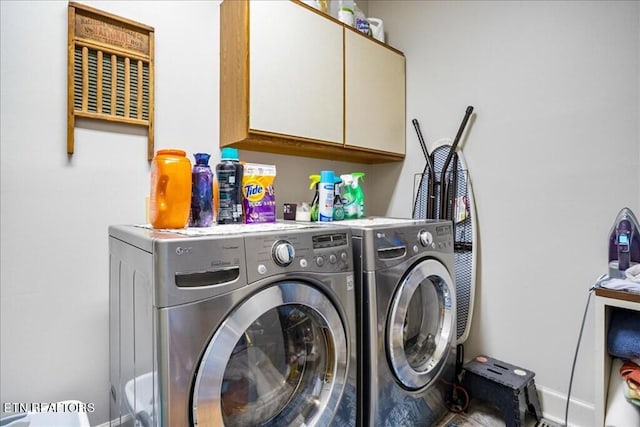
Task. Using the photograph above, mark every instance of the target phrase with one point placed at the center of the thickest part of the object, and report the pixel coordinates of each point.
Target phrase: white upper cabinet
(295, 81)
(295, 72)
(374, 96)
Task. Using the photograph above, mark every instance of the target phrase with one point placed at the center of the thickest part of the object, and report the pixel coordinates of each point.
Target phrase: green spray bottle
(313, 210)
(349, 203)
(358, 193)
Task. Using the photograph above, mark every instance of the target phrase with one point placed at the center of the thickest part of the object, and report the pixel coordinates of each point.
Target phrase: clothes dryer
(404, 279)
(252, 325)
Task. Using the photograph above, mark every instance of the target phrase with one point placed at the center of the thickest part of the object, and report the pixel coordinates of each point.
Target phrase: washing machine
(407, 318)
(232, 325)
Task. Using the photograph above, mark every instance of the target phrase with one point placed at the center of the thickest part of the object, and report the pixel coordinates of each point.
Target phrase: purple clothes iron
(624, 243)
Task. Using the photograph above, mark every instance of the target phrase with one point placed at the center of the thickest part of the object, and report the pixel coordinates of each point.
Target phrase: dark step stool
(510, 388)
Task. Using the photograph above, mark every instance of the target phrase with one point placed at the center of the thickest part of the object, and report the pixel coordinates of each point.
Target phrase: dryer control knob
(283, 253)
(425, 238)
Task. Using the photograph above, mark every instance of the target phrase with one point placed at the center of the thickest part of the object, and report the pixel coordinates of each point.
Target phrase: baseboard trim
(126, 421)
(553, 403)
(581, 413)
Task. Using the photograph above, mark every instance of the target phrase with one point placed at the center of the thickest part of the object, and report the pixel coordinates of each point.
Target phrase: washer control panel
(313, 251)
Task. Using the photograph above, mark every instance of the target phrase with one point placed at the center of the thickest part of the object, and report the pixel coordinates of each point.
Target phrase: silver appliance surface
(226, 229)
(252, 326)
(404, 280)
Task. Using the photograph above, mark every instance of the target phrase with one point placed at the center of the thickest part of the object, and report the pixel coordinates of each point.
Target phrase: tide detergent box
(258, 193)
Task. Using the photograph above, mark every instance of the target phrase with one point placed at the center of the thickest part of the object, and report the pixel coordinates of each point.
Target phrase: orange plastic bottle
(170, 198)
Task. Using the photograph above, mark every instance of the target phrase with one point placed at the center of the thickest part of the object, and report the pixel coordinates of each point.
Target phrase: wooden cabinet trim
(284, 144)
(234, 70)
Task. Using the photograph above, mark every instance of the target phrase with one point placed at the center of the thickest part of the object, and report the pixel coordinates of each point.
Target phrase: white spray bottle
(326, 193)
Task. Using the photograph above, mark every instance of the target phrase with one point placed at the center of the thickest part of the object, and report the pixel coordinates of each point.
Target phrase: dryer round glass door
(279, 359)
(421, 324)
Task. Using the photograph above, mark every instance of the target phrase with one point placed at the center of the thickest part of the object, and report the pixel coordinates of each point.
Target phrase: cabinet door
(295, 72)
(374, 95)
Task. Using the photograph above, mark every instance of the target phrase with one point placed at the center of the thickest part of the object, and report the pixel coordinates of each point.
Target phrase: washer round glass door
(279, 359)
(421, 324)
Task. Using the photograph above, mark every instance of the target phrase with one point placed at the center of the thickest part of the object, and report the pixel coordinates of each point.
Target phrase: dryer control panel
(389, 246)
(315, 251)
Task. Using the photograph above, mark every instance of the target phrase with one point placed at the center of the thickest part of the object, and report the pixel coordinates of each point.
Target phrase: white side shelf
(606, 300)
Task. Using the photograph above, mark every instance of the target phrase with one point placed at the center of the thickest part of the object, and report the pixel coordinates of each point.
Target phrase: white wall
(55, 209)
(557, 95)
(553, 155)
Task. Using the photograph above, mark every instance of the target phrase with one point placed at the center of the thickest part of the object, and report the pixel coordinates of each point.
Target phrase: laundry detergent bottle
(326, 193)
(201, 192)
(229, 174)
(170, 195)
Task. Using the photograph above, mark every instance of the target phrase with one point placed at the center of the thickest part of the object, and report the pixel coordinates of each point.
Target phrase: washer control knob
(344, 256)
(303, 263)
(320, 261)
(333, 259)
(425, 238)
(283, 253)
(262, 269)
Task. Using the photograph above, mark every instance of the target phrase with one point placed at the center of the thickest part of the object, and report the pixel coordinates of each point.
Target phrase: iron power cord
(575, 357)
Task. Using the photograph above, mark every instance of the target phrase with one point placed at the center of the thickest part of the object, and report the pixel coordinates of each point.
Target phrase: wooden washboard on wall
(110, 71)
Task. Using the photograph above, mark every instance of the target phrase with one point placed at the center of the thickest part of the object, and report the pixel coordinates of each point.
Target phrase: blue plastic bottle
(326, 195)
(201, 192)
